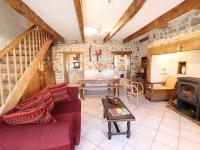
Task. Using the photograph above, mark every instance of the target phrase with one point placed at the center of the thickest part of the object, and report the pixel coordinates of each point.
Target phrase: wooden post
(39, 40)
(15, 64)
(29, 47)
(33, 44)
(25, 52)
(36, 43)
(8, 72)
(1, 87)
(20, 57)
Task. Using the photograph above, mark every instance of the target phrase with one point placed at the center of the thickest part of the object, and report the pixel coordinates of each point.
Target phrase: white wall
(12, 24)
(167, 65)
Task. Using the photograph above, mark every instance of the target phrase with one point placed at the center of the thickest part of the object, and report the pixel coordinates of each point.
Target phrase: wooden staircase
(18, 63)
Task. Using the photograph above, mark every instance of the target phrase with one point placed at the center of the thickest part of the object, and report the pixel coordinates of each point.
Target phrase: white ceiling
(99, 16)
(58, 14)
(151, 10)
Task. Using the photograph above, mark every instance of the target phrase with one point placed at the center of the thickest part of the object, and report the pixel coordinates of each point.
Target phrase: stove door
(188, 92)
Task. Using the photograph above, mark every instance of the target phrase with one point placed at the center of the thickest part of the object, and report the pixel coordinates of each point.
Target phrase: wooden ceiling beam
(135, 6)
(28, 13)
(162, 21)
(78, 7)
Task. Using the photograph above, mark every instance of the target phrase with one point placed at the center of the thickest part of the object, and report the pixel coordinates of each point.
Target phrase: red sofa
(61, 135)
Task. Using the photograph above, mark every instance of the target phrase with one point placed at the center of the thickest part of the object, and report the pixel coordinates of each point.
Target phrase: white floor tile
(146, 131)
(167, 139)
(139, 142)
(188, 135)
(96, 137)
(170, 121)
(85, 145)
(188, 145)
(173, 130)
(159, 146)
(189, 125)
(112, 144)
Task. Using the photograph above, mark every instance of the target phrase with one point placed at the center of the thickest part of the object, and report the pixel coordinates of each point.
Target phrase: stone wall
(106, 58)
(185, 24)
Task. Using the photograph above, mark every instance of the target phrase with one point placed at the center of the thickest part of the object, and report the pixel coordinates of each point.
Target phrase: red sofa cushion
(45, 95)
(70, 111)
(29, 102)
(54, 136)
(30, 115)
(59, 92)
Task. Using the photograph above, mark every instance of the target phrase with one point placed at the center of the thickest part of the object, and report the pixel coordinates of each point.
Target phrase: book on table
(118, 111)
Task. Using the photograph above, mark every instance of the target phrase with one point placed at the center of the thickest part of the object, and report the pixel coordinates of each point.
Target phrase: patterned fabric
(30, 115)
(46, 96)
(47, 118)
(59, 92)
(28, 103)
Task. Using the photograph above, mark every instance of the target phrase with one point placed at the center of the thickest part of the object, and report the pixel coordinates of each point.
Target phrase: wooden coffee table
(114, 119)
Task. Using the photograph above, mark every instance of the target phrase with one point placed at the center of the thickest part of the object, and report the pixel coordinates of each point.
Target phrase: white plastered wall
(167, 65)
(12, 24)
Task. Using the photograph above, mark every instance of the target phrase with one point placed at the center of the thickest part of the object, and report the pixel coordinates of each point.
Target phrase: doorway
(122, 64)
(73, 67)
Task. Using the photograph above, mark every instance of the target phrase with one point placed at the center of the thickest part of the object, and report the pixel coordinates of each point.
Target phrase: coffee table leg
(109, 130)
(128, 129)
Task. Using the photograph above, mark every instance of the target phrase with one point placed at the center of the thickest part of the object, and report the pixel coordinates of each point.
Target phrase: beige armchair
(161, 91)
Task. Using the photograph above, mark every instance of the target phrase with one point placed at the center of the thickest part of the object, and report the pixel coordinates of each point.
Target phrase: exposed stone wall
(106, 58)
(185, 24)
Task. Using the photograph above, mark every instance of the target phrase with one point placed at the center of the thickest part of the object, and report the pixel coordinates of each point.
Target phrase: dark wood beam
(24, 10)
(135, 6)
(78, 6)
(162, 21)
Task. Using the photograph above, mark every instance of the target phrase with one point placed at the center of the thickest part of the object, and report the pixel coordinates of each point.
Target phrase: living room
(93, 75)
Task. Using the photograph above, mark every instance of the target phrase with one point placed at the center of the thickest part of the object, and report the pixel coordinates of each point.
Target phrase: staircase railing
(18, 61)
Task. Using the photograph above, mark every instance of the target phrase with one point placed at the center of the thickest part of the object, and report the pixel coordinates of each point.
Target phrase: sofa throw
(30, 115)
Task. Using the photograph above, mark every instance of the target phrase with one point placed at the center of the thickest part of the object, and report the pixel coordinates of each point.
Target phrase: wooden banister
(18, 63)
(20, 87)
(15, 42)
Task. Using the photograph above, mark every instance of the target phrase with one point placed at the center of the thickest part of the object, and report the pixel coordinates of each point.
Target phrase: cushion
(30, 115)
(45, 95)
(29, 102)
(171, 82)
(59, 92)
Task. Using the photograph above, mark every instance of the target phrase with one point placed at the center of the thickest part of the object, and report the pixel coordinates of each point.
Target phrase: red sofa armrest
(73, 92)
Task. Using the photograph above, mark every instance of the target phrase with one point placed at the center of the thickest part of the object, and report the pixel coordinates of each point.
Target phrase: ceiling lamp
(109, 1)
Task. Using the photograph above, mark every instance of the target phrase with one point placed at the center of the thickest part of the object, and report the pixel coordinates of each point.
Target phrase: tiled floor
(156, 128)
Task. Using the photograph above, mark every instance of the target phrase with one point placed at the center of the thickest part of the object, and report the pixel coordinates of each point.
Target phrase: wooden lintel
(121, 52)
(28, 13)
(135, 6)
(78, 7)
(177, 11)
